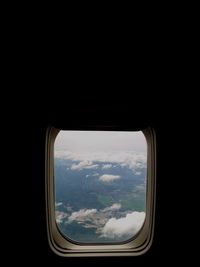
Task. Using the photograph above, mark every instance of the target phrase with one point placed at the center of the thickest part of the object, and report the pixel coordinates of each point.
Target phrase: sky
(100, 141)
(87, 149)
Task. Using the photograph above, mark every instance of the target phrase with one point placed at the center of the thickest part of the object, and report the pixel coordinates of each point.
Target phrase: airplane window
(100, 185)
(100, 191)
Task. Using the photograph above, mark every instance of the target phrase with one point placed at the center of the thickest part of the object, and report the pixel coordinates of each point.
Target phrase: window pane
(100, 185)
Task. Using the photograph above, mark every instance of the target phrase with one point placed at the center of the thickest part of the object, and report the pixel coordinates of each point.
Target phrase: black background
(143, 79)
(24, 191)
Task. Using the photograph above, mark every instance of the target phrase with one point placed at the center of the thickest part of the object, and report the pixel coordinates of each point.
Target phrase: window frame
(137, 246)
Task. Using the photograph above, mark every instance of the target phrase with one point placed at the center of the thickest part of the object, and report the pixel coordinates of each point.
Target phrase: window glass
(100, 185)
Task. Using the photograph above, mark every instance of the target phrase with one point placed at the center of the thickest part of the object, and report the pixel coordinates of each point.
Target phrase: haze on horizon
(100, 141)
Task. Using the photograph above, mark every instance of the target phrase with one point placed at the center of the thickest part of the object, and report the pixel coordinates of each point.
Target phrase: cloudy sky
(106, 225)
(101, 152)
(100, 141)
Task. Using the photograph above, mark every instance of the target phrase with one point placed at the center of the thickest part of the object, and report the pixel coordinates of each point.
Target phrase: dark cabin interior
(173, 219)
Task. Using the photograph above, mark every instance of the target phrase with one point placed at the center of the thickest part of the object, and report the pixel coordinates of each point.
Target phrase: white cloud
(95, 174)
(106, 166)
(81, 215)
(58, 204)
(115, 206)
(60, 216)
(134, 160)
(109, 177)
(137, 173)
(86, 164)
(125, 226)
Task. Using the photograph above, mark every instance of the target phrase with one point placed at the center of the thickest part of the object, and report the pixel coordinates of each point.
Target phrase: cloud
(58, 204)
(109, 178)
(81, 215)
(106, 166)
(60, 216)
(86, 164)
(134, 160)
(125, 226)
(115, 206)
(95, 174)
